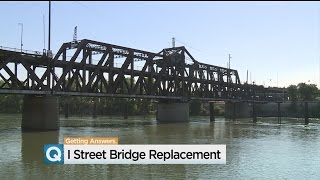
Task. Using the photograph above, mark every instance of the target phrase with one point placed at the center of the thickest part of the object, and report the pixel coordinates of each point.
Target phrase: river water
(265, 150)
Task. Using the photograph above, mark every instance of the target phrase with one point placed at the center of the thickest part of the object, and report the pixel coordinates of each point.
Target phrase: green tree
(293, 93)
(307, 92)
(10, 103)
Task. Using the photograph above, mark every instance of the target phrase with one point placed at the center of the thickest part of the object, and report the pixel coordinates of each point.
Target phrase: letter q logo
(53, 154)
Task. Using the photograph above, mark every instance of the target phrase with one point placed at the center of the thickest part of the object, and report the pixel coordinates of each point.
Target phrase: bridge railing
(22, 50)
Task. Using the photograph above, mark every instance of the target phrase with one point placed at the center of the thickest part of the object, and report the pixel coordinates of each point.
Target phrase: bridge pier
(66, 110)
(94, 113)
(40, 113)
(145, 108)
(233, 110)
(212, 117)
(279, 113)
(125, 109)
(306, 113)
(254, 113)
(173, 111)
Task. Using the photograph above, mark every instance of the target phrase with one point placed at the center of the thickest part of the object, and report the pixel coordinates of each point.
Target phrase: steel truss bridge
(92, 68)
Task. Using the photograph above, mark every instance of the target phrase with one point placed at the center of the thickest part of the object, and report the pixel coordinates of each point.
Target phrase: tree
(307, 92)
(293, 93)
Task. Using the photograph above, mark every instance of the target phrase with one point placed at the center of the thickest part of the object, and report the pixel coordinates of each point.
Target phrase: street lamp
(21, 34)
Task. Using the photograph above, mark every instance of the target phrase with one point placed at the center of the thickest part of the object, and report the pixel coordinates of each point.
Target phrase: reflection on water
(254, 151)
(32, 145)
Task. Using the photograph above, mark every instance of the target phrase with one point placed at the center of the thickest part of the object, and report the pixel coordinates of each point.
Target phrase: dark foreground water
(264, 150)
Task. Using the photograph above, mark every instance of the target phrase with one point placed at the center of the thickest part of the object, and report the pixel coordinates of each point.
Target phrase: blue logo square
(53, 154)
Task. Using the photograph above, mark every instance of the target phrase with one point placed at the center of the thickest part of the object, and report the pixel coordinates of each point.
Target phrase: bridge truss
(91, 68)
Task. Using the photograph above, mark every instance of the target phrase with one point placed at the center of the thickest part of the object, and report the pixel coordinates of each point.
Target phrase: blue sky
(270, 39)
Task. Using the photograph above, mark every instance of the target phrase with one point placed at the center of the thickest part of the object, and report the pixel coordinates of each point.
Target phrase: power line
(82, 4)
(199, 51)
(187, 45)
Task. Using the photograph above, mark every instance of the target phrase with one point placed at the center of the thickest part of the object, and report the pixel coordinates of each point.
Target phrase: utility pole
(228, 76)
(21, 44)
(44, 32)
(247, 76)
(75, 34)
(49, 36)
(277, 79)
(229, 60)
(229, 68)
(49, 52)
(173, 42)
(16, 64)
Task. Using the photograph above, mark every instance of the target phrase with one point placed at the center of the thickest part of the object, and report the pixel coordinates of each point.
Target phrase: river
(265, 150)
